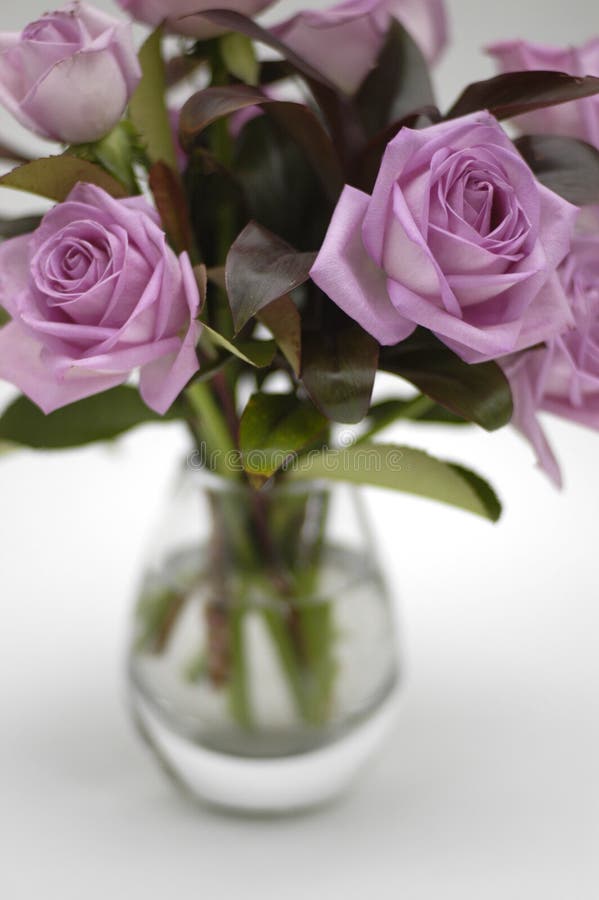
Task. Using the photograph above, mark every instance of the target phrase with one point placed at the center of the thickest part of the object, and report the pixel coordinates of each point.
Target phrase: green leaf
(12, 154)
(116, 152)
(283, 321)
(98, 418)
(147, 106)
(402, 469)
(274, 427)
(239, 57)
(418, 409)
(482, 488)
(479, 393)
(54, 177)
(254, 353)
(339, 364)
(564, 165)
(515, 93)
(14, 227)
(262, 268)
(399, 84)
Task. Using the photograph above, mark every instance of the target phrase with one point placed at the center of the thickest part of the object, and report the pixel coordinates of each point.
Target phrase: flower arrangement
(246, 262)
(350, 230)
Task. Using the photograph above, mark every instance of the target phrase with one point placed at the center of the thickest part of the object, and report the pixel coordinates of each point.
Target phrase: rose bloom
(459, 237)
(94, 293)
(579, 118)
(178, 13)
(563, 377)
(343, 41)
(69, 75)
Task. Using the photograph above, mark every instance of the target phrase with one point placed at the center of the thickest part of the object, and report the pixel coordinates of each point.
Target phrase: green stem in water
(288, 657)
(239, 697)
(303, 638)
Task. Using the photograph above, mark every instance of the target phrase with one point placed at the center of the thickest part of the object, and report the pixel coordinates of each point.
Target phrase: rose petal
(163, 380)
(14, 271)
(21, 364)
(344, 271)
(95, 103)
(525, 418)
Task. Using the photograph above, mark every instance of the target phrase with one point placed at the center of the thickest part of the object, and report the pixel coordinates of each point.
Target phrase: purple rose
(94, 293)
(343, 41)
(178, 13)
(68, 76)
(563, 377)
(459, 237)
(579, 118)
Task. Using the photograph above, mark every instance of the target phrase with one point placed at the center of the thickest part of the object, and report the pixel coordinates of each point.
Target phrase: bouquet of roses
(350, 229)
(249, 224)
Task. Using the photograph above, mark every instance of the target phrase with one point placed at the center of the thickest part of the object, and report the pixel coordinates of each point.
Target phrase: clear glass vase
(263, 663)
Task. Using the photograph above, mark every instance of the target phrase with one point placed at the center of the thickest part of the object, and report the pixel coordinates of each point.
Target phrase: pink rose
(343, 41)
(94, 293)
(68, 76)
(459, 237)
(563, 378)
(174, 12)
(579, 118)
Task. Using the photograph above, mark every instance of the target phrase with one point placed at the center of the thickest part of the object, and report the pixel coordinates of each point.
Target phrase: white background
(489, 787)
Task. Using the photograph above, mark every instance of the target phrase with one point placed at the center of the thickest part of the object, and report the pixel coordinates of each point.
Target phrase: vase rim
(216, 482)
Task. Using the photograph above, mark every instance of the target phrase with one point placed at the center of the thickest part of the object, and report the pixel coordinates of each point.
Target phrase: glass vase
(263, 663)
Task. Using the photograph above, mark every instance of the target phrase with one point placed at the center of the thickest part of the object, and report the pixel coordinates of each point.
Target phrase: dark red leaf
(205, 107)
(520, 92)
(339, 364)
(283, 320)
(564, 165)
(345, 126)
(261, 268)
(366, 166)
(398, 85)
(479, 393)
(171, 204)
(179, 67)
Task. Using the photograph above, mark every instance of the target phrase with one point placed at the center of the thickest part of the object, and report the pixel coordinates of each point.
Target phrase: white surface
(279, 785)
(489, 787)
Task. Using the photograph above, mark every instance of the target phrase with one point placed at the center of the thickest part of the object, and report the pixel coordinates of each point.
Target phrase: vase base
(272, 786)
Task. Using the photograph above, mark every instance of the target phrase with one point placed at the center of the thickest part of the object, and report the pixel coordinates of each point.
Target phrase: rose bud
(94, 293)
(458, 237)
(68, 76)
(178, 14)
(578, 118)
(343, 41)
